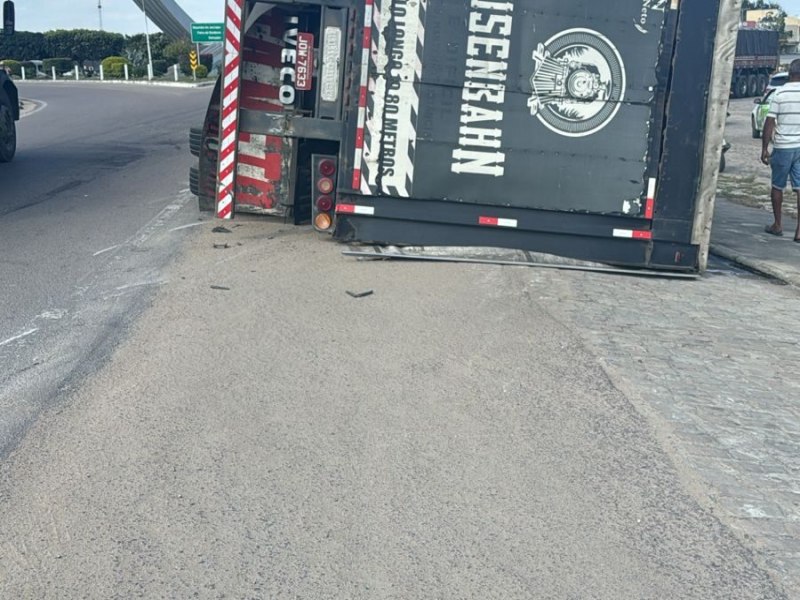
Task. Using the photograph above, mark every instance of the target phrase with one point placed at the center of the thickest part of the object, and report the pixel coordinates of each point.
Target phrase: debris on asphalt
(220, 287)
(221, 246)
(221, 229)
(363, 294)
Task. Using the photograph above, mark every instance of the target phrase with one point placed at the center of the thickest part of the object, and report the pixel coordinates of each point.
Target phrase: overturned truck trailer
(579, 128)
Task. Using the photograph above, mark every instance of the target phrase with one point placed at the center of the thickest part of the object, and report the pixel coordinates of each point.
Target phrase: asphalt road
(448, 436)
(85, 211)
(464, 432)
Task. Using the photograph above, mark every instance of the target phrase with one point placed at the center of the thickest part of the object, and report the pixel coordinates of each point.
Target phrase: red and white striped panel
(230, 109)
(362, 95)
(258, 171)
(260, 161)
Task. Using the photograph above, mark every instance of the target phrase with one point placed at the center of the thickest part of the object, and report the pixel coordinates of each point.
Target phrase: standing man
(782, 128)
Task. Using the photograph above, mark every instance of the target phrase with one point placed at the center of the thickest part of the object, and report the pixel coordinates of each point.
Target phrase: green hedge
(160, 67)
(202, 71)
(62, 65)
(114, 66)
(14, 65)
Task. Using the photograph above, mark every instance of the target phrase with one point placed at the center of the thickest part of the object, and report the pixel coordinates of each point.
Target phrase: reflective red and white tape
(362, 95)
(230, 109)
(650, 202)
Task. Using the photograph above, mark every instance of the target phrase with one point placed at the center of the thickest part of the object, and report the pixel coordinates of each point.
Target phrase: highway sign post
(208, 33)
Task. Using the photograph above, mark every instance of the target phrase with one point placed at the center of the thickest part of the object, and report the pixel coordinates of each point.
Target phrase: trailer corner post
(721, 75)
(229, 115)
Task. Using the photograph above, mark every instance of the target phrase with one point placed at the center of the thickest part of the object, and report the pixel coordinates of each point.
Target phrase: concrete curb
(176, 84)
(759, 266)
(30, 106)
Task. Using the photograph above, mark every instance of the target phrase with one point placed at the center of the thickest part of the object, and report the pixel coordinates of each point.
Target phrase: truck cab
(290, 103)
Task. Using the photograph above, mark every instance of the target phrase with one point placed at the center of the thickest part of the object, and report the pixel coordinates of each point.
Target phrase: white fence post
(126, 71)
(102, 75)
(54, 73)
(23, 73)
(77, 70)
(177, 67)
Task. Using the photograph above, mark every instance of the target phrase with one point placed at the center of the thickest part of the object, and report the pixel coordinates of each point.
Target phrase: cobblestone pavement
(745, 180)
(714, 363)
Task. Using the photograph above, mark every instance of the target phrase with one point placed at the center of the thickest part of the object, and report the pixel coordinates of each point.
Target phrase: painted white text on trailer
(488, 46)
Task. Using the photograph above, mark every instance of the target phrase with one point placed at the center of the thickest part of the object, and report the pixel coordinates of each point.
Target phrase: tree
(136, 48)
(83, 44)
(23, 45)
(178, 52)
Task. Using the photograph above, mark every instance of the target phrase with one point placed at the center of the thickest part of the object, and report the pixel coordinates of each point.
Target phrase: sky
(122, 16)
(792, 7)
(119, 16)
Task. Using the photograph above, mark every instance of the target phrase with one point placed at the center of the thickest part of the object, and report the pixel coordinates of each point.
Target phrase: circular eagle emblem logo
(578, 82)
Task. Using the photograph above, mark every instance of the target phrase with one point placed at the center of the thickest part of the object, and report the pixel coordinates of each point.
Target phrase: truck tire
(194, 180)
(8, 129)
(195, 140)
(752, 86)
(740, 87)
(763, 80)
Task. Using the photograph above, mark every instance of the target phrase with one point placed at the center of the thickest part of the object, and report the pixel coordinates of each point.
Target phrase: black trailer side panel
(547, 104)
(542, 144)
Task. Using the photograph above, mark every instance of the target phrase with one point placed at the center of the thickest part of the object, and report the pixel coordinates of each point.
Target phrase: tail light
(323, 192)
(327, 167)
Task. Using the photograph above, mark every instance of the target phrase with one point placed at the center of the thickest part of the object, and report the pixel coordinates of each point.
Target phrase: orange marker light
(323, 221)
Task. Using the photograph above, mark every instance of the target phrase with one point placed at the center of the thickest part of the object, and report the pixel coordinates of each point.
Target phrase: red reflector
(324, 203)
(327, 168)
(325, 185)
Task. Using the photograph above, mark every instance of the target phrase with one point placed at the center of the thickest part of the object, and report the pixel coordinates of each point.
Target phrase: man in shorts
(782, 129)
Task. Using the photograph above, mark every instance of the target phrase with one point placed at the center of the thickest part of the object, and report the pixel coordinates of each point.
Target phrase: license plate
(305, 57)
(331, 56)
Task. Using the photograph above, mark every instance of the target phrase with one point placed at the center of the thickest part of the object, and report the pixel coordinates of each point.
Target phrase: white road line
(187, 226)
(18, 337)
(109, 249)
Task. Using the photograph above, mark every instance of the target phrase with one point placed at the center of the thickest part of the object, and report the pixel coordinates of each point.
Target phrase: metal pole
(147, 37)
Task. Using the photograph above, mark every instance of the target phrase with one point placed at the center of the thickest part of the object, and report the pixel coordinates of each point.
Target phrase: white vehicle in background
(759, 114)
(38, 66)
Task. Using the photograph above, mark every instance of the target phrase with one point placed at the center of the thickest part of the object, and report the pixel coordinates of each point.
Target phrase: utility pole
(147, 37)
(100, 12)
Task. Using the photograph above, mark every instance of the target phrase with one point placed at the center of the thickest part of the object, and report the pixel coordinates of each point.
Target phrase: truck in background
(584, 129)
(757, 58)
